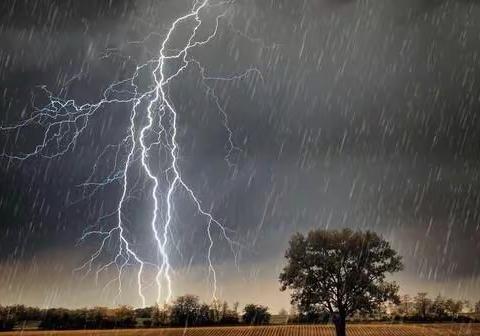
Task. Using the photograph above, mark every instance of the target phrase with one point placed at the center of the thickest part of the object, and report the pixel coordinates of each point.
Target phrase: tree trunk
(340, 325)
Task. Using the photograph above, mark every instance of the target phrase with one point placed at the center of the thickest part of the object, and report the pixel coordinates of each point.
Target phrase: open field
(303, 330)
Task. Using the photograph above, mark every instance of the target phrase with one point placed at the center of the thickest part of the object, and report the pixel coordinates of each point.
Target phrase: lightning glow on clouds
(64, 121)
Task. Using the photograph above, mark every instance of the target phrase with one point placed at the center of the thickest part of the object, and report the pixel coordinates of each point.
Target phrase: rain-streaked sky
(360, 114)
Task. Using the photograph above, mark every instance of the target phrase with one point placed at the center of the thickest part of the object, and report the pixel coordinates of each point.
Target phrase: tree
(422, 305)
(453, 308)
(405, 307)
(185, 310)
(99, 318)
(341, 272)
(256, 314)
(477, 307)
(439, 307)
(160, 315)
(215, 311)
(124, 317)
(7, 319)
(229, 316)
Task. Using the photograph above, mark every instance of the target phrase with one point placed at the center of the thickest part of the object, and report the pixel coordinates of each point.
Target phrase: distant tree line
(420, 308)
(185, 311)
(67, 319)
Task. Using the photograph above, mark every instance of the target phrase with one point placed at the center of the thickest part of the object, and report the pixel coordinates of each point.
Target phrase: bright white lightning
(65, 121)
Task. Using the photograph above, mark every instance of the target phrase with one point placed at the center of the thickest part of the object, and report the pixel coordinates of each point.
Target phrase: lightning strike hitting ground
(64, 121)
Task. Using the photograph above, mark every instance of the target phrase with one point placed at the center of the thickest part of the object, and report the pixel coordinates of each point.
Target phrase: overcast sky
(365, 115)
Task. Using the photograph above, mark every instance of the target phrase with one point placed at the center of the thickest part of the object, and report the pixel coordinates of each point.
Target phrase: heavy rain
(152, 149)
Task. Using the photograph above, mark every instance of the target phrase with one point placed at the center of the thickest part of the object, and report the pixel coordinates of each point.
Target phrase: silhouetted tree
(160, 315)
(184, 310)
(422, 305)
(256, 314)
(453, 307)
(7, 319)
(204, 315)
(477, 307)
(99, 318)
(438, 307)
(341, 272)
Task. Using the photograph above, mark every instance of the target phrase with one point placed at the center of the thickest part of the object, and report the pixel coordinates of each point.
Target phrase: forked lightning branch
(64, 122)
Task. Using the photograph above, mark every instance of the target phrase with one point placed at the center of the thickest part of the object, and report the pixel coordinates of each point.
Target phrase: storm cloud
(365, 116)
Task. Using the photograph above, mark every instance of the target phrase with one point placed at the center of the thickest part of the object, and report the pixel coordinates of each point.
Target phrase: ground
(303, 330)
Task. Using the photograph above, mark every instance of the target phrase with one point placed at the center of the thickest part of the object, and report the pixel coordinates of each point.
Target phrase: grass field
(323, 330)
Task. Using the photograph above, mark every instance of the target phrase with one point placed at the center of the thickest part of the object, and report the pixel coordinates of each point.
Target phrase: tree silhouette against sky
(341, 272)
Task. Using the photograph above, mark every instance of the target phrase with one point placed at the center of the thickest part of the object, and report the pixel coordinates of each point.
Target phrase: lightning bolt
(64, 121)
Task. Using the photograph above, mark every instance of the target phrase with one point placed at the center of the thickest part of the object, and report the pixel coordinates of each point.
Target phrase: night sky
(362, 114)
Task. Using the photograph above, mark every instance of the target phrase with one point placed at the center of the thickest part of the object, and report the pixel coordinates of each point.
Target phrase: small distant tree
(423, 305)
(438, 307)
(256, 314)
(453, 307)
(99, 318)
(477, 307)
(184, 310)
(342, 272)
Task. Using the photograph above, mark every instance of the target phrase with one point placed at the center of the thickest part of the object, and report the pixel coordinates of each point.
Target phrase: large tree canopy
(341, 272)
